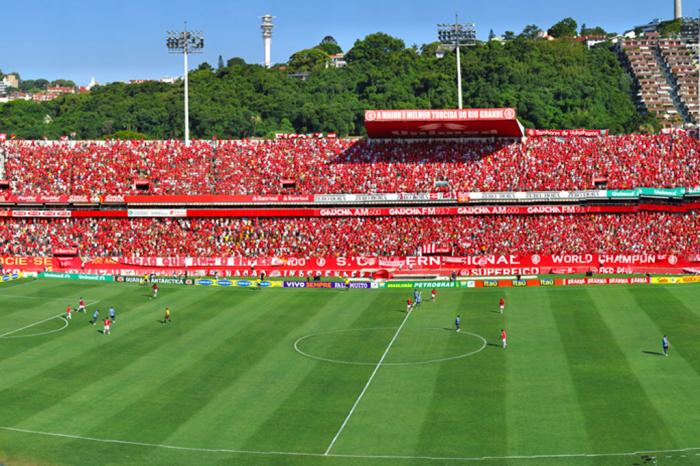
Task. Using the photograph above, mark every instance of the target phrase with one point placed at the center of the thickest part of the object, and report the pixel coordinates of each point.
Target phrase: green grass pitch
(273, 376)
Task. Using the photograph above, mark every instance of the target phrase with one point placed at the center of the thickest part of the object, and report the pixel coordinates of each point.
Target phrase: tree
(329, 49)
(308, 60)
(205, 67)
(221, 64)
(596, 31)
(531, 31)
(492, 35)
(63, 83)
(375, 48)
(564, 28)
(509, 35)
(235, 61)
(330, 46)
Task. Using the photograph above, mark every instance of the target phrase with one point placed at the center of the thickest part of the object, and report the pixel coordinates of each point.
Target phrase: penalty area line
(341, 455)
(369, 381)
(62, 314)
(32, 325)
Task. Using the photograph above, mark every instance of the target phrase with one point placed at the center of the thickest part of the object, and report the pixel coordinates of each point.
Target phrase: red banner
(65, 251)
(358, 212)
(471, 266)
(566, 133)
(218, 199)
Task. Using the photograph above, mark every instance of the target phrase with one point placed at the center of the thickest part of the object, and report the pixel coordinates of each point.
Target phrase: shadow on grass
(653, 353)
(495, 345)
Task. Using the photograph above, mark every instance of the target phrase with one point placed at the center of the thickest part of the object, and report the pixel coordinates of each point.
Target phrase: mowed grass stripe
(80, 338)
(159, 411)
(542, 415)
(673, 318)
(40, 310)
(148, 367)
(671, 384)
(391, 415)
(613, 402)
(85, 357)
(311, 414)
(257, 395)
(42, 299)
(467, 412)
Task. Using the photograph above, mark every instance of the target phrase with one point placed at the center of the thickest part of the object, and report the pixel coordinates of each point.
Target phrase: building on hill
(336, 61)
(666, 75)
(11, 80)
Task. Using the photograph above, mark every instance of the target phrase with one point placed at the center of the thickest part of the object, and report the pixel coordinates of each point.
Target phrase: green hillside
(558, 84)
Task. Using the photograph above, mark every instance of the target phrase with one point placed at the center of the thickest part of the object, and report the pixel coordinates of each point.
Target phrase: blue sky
(121, 40)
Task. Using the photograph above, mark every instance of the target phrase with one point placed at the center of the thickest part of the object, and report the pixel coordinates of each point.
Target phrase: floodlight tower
(185, 42)
(678, 9)
(453, 37)
(267, 27)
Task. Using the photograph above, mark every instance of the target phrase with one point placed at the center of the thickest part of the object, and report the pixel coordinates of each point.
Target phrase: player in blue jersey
(458, 320)
(95, 316)
(419, 298)
(665, 344)
(112, 314)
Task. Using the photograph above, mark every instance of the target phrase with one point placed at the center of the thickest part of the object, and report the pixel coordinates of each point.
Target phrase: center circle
(365, 346)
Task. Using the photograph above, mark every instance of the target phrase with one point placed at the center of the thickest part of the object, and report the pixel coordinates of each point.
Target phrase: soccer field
(305, 377)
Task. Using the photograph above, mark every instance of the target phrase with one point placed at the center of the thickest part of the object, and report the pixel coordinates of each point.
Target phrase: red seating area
(347, 166)
(646, 232)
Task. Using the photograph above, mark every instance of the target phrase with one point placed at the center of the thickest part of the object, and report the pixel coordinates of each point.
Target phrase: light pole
(452, 37)
(185, 42)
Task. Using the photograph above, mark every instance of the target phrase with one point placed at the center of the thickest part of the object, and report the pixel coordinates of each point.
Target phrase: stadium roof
(428, 124)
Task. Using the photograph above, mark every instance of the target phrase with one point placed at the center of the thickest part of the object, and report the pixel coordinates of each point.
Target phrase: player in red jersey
(155, 290)
(409, 305)
(502, 304)
(503, 338)
(107, 324)
(69, 312)
(433, 295)
(81, 305)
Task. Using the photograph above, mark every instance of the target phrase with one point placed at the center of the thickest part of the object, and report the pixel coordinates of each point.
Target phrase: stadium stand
(350, 166)
(645, 232)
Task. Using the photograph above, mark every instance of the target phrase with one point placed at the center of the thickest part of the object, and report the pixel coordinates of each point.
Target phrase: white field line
(369, 381)
(65, 324)
(32, 325)
(340, 455)
(41, 321)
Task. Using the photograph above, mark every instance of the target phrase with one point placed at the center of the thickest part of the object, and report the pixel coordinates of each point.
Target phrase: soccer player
(95, 316)
(433, 295)
(502, 304)
(112, 314)
(106, 330)
(409, 305)
(415, 295)
(347, 283)
(458, 320)
(665, 344)
(155, 290)
(503, 338)
(166, 319)
(69, 312)
(81, 305)
(419, 298)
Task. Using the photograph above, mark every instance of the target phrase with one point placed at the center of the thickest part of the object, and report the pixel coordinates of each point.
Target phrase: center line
(369, 381)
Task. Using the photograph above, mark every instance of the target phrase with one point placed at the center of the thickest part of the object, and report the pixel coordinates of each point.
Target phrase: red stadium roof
(466, 123)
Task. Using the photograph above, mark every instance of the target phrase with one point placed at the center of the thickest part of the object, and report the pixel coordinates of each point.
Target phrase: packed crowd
(349, 166)
(645, 232)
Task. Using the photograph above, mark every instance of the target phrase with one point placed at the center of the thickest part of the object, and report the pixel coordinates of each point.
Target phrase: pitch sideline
(341, 455)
